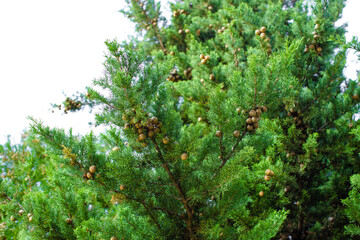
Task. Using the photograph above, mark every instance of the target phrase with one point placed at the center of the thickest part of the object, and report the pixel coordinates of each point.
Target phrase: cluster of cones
(297, 118)
(90, 174)
(314, 44)
(177, 12)
(252, 122)
(174, 76)
(262, 33)
(268, 174)
(187, 72)
(144, 130)
(71, 105)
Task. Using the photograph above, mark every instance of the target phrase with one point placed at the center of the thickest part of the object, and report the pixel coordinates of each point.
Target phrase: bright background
(48, 47)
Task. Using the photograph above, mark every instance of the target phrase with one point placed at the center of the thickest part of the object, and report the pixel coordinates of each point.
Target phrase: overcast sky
(48, 47)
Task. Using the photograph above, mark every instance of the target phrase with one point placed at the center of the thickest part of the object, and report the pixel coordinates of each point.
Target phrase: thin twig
(224, 160)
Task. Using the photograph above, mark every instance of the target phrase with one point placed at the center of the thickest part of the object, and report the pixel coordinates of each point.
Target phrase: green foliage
(353, 206)
(230, 122)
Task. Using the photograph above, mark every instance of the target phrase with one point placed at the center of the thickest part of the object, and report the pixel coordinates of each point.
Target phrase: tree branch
(178, 188)
(224, 160)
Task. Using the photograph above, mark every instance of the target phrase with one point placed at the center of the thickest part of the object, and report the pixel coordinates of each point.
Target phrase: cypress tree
(232, 121)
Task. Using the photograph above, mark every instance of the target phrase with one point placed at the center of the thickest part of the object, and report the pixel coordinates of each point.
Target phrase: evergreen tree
(234, 121)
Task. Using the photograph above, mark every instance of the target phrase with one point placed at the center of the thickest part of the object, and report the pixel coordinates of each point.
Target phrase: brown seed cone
(166, 140)
(254, 119)
(250, 127)
(89, 175)
(122, 187)
(249, 121)
(155, 120)
(150, 126)
(258, 112)
(142, 137)
(252, 113)
(257, 32)
(202, 56)
(267, 178)
(92, 169)
(115, 149)
(236, 133)
(268, 172)
(261, 193)
(184, 156)
(263, 29)
(218, 134)
(151, 134)
(256, 125)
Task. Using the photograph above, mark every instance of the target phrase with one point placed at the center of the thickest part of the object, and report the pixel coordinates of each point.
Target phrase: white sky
(48, 47)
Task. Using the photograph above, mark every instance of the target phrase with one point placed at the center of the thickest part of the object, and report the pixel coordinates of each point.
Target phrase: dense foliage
(233, 121)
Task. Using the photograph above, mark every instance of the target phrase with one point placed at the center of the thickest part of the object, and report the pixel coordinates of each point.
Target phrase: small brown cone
(184, 156)
(166, 140)
(92, 169)
(236, 133)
